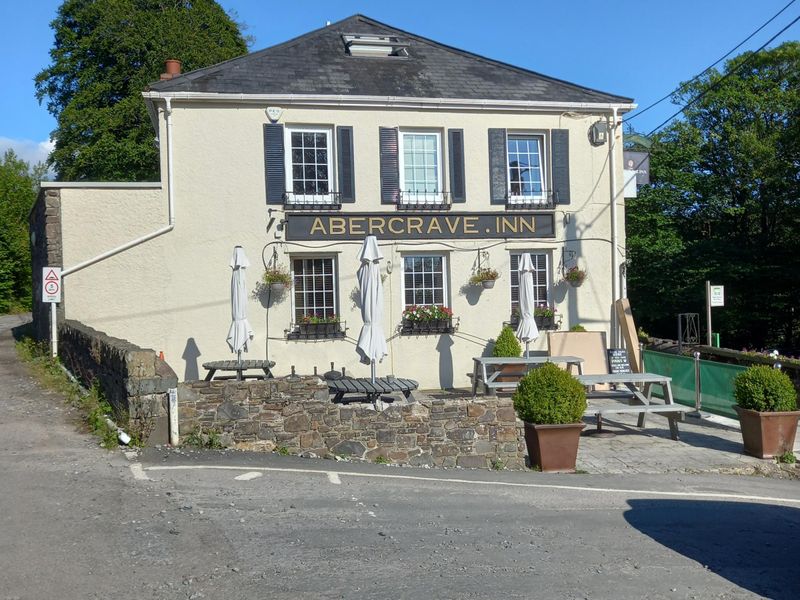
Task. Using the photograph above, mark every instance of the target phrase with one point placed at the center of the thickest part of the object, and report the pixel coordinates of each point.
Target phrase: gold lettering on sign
(452, 226)
(391, 223)
(469, 224)
(357, 225)
(433, 225)
(415, 224)
(337, 225)
(525, 224)
(376, 225)
(318, 226)
(509, 225)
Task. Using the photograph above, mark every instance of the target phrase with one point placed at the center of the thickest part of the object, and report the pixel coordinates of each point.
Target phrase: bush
(764, 389)
(507, 344)
(550, 396)
(578, 327)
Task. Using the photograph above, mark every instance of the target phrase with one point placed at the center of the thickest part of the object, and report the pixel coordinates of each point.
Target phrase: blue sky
(633, 48)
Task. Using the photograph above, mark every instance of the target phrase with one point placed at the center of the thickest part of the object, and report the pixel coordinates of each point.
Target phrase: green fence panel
(716, 381)
(679, 368)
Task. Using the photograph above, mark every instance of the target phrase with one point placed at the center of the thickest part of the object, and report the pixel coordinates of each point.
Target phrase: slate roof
(316, 63)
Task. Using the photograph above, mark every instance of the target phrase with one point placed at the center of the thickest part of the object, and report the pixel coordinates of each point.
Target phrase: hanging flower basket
(277, 278)
(484, 278)
(575, 276)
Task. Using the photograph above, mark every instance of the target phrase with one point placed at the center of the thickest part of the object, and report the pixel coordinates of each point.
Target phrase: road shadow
(754, 546)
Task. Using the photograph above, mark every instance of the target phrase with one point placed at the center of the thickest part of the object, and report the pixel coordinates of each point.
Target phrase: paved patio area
(707, 444)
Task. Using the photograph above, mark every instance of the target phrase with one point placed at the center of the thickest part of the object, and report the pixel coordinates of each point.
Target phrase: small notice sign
(717, 295)
(618, 360)
(51, 284)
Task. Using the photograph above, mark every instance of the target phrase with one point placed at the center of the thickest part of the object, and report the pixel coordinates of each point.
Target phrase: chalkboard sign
(618, 361)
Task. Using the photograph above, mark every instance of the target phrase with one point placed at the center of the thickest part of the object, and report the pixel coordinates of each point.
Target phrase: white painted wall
(172, 293)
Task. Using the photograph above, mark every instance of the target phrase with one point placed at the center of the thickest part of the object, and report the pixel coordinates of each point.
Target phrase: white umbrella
(527, 330)
(371, 344)
(240, 331)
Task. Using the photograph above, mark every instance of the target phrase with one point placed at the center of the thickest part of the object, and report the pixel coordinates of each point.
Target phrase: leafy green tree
(18, 187)
(724, 205)
(106, 52)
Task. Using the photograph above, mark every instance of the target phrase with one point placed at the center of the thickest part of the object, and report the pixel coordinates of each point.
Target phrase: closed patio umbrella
(527, 330)
(240, 331)
(371, 344)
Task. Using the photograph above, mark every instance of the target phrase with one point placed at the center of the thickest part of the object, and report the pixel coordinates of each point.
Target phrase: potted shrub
(551, 403)
(766, 402)
(575, 276)
(484, 278)
(277, 278)
(507, 346)
(427, 319)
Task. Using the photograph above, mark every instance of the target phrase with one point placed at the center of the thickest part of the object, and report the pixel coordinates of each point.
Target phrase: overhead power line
(717, 83)
(711, 66)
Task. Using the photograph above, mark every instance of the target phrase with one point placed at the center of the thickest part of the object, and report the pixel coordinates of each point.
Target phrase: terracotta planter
(767, 434)
(553, 448)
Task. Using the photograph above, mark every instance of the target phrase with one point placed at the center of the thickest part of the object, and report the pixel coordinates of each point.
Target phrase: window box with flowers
(546, 317)
(313, 326)
(429, 319)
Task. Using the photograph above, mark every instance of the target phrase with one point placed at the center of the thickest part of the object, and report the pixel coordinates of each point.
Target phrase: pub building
(457, 163)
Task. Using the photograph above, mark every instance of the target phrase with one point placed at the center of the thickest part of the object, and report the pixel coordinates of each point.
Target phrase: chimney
(173, 69)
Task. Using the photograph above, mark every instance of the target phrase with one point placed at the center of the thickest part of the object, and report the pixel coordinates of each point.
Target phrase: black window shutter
(559, 141)
(498, 166)
(344, 155)
(275, 165)
(455, 138)
(390, 165)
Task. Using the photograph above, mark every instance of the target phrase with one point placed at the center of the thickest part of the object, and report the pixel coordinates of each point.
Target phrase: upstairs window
(526, 173)
(309, 165)
(420, 168)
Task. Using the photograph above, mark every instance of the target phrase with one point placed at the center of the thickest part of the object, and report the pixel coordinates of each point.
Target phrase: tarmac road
(79, 522)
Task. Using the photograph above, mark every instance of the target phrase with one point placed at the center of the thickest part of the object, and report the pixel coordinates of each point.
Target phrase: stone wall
(45, 228)
(133, 379)
(296, 414)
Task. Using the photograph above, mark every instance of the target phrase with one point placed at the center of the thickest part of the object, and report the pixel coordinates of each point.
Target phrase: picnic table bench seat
(364, 386)
(265, 366)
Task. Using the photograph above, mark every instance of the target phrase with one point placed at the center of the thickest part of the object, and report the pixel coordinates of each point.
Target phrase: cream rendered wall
(172, 293)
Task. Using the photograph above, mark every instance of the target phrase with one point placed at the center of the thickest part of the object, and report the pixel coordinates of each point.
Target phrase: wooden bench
(673, 412)
(364, 386)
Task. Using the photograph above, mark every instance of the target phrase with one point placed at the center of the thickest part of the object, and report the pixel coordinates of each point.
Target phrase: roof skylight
(374, 45)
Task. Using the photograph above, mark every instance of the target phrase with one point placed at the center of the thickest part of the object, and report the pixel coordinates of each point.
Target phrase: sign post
(715, 296)
(51, 293)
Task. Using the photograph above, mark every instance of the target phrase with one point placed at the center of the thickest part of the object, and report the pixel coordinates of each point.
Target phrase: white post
(173, 417)
(53, 330)
(708, 309)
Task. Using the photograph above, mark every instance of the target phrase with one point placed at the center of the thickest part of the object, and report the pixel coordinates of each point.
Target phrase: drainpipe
(612, 166)
(132, 243)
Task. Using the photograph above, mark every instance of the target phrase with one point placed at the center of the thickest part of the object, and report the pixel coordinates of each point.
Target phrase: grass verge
(48, 372)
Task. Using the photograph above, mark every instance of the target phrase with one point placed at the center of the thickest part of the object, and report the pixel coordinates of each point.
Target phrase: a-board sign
(618, 360)
(51, 284)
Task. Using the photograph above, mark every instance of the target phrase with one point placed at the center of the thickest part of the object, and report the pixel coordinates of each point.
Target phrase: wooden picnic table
(364, 386)
(641, 395)
(487, 369)
(240, 367)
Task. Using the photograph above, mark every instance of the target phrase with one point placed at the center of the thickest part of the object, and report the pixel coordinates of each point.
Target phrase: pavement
(79, 522)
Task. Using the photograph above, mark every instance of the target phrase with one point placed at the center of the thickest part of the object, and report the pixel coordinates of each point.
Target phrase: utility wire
(711, 66)
(717, 83)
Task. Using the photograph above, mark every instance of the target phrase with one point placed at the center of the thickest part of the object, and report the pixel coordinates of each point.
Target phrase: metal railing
(545, 202)
(329, 201)
(414, 200)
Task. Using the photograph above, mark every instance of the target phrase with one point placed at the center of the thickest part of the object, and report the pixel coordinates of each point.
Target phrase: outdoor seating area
(358, 389)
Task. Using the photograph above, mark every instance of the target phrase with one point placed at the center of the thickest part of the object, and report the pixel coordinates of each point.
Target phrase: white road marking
(334, 478)
(546, 486)
(248, 476)
(138, 472)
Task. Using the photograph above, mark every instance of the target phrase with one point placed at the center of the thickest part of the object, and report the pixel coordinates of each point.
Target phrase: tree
(105, 54)
(725, 205)
(18, 188)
